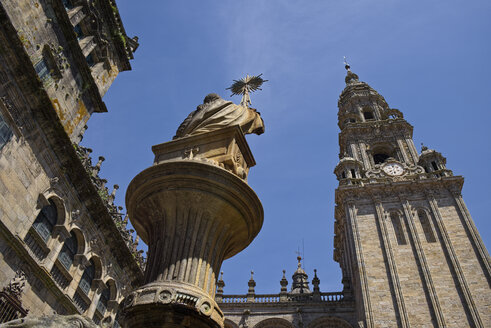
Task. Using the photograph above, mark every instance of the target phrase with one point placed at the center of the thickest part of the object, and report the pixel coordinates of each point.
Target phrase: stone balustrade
(275, 298)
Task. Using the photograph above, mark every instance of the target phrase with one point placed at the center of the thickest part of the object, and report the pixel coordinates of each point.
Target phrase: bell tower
(409, 251)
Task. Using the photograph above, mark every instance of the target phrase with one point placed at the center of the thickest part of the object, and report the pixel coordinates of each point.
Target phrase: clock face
(393, 169)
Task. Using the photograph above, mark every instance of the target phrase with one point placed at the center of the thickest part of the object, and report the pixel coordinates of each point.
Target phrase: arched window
(87, 278)
(67, 253)
(435, 167)
(103, 300)
(397, 225)
(5, 132)
(368, 115)
(426, 225)
(46, 220)
(380, 158)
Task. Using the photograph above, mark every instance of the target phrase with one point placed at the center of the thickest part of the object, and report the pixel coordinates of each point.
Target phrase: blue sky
(429, 59)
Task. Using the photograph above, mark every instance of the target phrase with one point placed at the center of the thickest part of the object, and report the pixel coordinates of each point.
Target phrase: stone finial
(125, 220)
(350, 76)
(251, 282)
(103, 183)
(251, 291)
(284, 283)
(284, 290)
(97, 167)
(113, 194)
(220, 285)
(423, 147)
(300, 282)
(135, 243)
(315, 282)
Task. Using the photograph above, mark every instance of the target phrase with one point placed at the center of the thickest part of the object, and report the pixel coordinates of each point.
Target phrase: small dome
(300, 283)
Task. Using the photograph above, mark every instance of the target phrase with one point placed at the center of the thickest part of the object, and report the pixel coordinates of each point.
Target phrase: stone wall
(39, 168)
(418, 271)
(75, 52)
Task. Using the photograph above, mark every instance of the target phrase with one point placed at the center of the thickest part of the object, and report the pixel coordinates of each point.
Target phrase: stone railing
(276, 298)
(332, 297)
(10, 308)
(232, 299)
(120, 220)
(267, 298)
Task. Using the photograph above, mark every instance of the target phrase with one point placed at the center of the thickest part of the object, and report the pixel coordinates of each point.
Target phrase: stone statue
(16, 285)
(53, 321)
(216, 113)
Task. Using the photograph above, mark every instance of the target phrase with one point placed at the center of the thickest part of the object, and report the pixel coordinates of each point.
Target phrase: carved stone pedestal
(193, 212)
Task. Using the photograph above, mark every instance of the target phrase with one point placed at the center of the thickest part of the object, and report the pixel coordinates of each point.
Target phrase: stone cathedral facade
(64, 246)
(408, 249)
(409, 252)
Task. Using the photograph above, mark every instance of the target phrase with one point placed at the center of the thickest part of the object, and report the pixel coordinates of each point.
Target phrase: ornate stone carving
(16, 285)
(225, 148)
(53, 321)
(384, 170)
(193, 213)
(216, 113)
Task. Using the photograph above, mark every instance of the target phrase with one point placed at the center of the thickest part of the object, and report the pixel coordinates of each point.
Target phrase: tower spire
(346, 65)
(351, 77)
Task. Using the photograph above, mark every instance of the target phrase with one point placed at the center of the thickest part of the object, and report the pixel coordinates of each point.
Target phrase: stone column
(193, 213)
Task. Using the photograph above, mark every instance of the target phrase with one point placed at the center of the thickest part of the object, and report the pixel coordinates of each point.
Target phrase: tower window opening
(380, 158)
(435, 167)
(353, 174)
(343, 175)
(425, 224)
(5, 132)
(396, 224)
(368, 115)
(426, 169)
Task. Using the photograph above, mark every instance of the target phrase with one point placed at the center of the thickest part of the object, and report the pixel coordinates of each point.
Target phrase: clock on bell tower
(408, 248)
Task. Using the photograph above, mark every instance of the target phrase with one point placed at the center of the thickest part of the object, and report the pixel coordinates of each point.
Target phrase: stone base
(166, 316)
(156, 302)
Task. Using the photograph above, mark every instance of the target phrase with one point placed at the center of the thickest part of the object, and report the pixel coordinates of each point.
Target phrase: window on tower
(426, 225)
(435, 167)
(380, 158)
(368, 115)
(398, 230)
